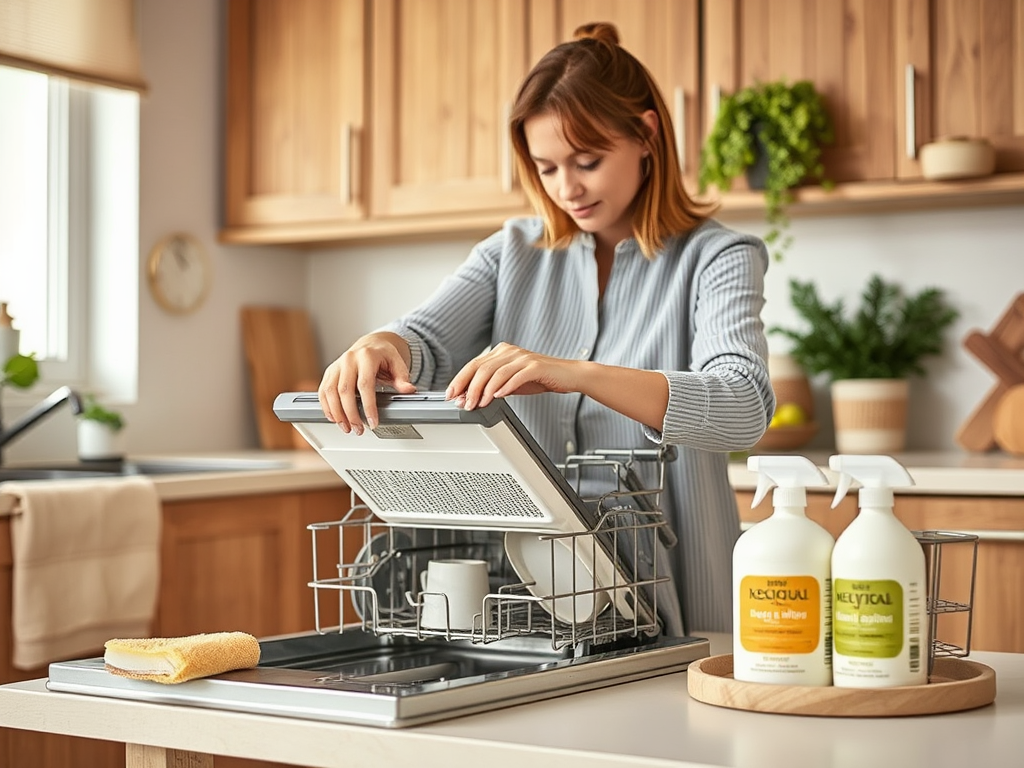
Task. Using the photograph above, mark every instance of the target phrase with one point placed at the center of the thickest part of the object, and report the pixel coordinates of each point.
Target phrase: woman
(621, 318)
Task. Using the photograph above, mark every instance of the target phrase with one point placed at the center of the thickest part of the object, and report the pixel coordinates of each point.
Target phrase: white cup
(452, 593)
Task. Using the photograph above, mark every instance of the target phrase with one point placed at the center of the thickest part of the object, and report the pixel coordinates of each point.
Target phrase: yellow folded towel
(177, 659)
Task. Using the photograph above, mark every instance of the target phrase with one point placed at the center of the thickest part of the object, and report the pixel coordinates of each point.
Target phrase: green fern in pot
(778, 126)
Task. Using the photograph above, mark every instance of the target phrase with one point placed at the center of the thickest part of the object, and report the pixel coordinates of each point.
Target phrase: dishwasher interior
(529, 641)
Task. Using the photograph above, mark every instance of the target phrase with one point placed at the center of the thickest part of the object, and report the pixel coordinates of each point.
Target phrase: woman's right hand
(377, 358)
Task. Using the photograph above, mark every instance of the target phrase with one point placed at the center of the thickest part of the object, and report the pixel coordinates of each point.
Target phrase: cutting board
(1002, 351)
(1008, 421)
(281, 356)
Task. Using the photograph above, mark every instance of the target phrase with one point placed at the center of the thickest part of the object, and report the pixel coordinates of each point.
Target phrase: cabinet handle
(679, 116)
(506, 148)
(911, 117)
(346, 164)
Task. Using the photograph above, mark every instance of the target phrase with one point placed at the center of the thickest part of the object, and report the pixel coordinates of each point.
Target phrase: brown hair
(597, 90)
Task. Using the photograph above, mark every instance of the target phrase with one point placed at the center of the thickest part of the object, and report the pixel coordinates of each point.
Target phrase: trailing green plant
(93, 411)
(791, 125)
(886, 338)
(20, 371)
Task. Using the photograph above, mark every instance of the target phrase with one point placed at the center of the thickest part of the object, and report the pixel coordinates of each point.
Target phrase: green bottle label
(867, 618)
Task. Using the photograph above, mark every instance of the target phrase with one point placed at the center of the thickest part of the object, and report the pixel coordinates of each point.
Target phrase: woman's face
(597, 187)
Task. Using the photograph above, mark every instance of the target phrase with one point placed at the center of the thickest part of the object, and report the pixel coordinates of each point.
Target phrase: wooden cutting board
(281, 355)
(1008, 421)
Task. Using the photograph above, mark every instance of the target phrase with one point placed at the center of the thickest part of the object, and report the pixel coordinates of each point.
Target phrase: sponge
(177, 659)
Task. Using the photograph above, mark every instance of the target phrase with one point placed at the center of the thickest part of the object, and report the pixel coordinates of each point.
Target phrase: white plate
(557, 567)
(390, 582)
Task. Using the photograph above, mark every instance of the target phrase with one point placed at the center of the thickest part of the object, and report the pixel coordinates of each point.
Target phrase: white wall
(975, 255)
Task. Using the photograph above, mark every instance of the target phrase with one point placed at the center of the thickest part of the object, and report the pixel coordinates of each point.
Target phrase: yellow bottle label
(780, 614)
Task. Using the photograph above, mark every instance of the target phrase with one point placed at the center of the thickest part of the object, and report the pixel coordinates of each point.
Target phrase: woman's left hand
(510, 370)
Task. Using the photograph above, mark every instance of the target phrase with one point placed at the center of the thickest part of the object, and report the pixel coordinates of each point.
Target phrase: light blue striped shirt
(692, 313)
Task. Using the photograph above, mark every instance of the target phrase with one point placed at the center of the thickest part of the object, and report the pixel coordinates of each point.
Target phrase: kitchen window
(69, 228)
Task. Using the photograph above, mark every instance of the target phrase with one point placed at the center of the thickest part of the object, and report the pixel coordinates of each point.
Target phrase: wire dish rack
(951, 562)
(382, 582)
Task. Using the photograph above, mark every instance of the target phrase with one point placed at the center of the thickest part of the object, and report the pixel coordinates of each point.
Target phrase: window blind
(90, 40)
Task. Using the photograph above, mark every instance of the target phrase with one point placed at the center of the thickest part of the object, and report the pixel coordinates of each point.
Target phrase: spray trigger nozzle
(842, 487)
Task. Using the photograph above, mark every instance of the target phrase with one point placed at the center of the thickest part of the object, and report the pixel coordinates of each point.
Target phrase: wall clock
(179, 273)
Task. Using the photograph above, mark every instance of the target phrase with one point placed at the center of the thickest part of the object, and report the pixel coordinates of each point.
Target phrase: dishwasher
(574, 564)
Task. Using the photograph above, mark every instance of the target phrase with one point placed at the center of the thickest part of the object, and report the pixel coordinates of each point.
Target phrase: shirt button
(584, 353)
(570, 448)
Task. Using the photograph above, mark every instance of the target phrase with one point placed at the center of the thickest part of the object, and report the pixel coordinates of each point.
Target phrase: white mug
(452, 593)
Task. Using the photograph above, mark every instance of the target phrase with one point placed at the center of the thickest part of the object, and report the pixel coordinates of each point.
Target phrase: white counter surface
(952, 472)
(940, 473)
(647, 723)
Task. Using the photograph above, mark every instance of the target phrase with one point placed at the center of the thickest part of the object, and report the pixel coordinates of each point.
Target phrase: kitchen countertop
(937, 472)
(651, 723)
(942, 473)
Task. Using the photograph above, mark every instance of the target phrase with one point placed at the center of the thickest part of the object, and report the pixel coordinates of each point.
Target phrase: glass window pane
(24, 150)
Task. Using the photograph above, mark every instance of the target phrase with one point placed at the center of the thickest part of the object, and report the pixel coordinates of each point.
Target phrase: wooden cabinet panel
(968, 77)
(295, 112)
(243, 563)
(846, 48)
(663, 34)
(998, 615)
(444, 75)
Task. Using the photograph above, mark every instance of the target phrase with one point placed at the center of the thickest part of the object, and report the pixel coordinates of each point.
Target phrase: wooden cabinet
(242, 563)
(350, 120)
(231, 563)
(962, 67)
(295, 118)
(998, 615)
(663, 34)
(444, 75)
(845, 48)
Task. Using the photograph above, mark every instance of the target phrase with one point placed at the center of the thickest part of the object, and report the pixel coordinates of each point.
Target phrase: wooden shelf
(843, 199)
(884, 196)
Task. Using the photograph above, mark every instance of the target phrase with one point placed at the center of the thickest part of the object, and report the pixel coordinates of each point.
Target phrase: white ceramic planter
(870, 415)
(98, 441)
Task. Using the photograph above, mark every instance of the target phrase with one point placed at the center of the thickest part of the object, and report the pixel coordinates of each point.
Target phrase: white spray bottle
(879, 612)
(781, 587)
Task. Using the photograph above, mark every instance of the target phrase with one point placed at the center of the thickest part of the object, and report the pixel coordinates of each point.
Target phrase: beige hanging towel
(86, 565)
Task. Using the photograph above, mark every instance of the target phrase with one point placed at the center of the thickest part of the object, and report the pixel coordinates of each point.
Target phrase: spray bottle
(878, 580)
(781, 587)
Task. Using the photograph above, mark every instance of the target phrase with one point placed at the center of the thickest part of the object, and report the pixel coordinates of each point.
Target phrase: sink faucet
(53, 401)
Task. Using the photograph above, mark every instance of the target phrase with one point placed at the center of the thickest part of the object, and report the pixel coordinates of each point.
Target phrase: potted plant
(868, 355)
(774, 133)
(98, 431)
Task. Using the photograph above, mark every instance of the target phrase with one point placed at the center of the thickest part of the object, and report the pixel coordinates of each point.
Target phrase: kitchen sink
(147, 467)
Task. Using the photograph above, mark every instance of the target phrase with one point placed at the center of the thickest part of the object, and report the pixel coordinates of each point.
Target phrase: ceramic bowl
(957, 158)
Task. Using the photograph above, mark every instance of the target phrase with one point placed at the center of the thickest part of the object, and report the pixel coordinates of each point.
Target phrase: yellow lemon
(788, 415)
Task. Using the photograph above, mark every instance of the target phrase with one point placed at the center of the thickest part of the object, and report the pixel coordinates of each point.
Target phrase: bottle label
(780, 614)
(867, 618)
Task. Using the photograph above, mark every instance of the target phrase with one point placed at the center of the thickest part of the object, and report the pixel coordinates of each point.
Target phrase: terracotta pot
(870, 415)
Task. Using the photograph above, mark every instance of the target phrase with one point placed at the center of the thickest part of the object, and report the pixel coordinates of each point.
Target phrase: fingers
(503, 371)
(353, 379)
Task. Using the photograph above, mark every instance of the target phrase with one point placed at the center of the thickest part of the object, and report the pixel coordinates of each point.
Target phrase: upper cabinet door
(295, 116)
(663, 34)
(444, 76)
(962, 75)
(845, 47)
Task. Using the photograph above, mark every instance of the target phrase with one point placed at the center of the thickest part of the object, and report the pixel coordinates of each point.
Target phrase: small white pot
(98, 441)
(870, 415)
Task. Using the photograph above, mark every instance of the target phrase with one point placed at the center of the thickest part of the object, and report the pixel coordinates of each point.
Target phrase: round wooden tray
(955, 685)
